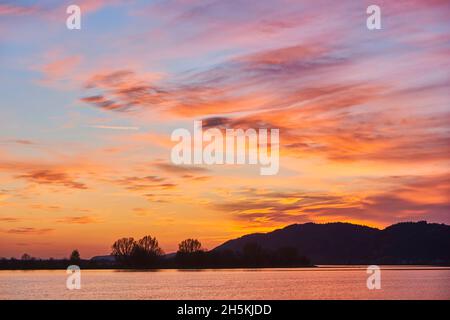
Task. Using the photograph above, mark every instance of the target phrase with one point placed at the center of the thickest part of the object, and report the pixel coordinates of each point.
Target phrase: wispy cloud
(52, 177)
(30, 231)
(146, 183)
(9, 219)
(180, 169)
(114, 127)
(79, 220)
(409, 199)
(18, 141)
(11, 9)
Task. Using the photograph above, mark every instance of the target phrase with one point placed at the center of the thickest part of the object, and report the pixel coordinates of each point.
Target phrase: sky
(86, 118)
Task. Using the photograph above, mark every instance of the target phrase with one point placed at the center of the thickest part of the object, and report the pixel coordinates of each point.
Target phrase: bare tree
(150, 246)
(190, 246)
(75, 255)
(123, 248)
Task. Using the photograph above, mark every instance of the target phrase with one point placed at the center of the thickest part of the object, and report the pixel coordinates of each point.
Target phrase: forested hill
(345, 243)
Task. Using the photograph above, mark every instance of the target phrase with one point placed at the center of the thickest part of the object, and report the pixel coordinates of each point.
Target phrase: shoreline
(322, 267)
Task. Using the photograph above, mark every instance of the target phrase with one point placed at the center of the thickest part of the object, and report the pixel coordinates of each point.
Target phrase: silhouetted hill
(106, 258)
(345, 243)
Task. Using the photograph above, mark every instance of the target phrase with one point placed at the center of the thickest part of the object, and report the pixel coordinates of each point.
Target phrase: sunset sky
(86, 118)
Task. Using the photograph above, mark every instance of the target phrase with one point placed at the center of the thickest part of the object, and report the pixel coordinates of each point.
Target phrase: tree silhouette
(146, 252)
(75, 255)
(26, 257)
(123, 248)
(190, 253)
(142, 253)
(190, 246)
(150, 246)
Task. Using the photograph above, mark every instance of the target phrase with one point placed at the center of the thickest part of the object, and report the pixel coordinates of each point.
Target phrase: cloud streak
(30, 231)
(408, 201)
(52, 178)
(79, 220)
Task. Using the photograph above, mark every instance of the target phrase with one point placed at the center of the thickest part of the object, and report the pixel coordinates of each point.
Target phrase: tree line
(29, 262)
(146, 253)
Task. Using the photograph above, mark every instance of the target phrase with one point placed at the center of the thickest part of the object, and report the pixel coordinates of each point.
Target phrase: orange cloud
(410, 199)
(30, 231)
(9, 219)
(78, 220)
(61, 68)
(52, 177)
(145, 183)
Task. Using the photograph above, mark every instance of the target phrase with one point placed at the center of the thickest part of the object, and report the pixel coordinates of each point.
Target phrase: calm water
(310, 283)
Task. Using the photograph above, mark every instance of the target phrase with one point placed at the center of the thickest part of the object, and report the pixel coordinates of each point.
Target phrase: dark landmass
(297, 245)
(345, 243)
(198, 260)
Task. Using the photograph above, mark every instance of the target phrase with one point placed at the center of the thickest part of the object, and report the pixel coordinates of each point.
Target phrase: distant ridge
(107, 258)
(346, 243)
